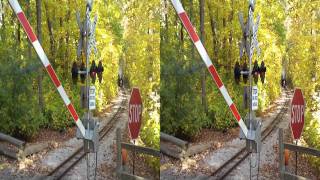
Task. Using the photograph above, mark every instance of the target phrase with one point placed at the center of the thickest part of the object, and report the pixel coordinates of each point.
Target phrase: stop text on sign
(135, 113)
(297, 113)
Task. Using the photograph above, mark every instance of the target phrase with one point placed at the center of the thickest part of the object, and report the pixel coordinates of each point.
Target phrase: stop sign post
(297, 114)
(135, 113)
(135, 116)
(297, 117)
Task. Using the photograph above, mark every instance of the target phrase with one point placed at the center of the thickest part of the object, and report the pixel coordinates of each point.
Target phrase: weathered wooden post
(119, 155)
(281, 150)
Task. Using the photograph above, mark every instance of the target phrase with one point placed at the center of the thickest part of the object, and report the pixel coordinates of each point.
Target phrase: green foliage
(311, 135)
(19, 113)
(58, 116)
(182, 112)
(142, 62)
(122, 37)
(303, 64)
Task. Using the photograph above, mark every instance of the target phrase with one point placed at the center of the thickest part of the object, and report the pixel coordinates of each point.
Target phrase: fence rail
(121, 174)
(282, 146)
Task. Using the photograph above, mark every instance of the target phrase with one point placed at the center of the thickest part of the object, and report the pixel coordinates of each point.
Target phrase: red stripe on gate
(186, 21)
(215, 76)
(53, 76)
(235, 112)
(26, 26)
(73, 112)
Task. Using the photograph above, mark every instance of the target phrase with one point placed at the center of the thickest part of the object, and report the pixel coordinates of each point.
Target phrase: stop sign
(135, 113)
(297, 114)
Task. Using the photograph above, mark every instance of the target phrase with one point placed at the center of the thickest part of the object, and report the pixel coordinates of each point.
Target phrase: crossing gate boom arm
(206, 59)
(44, 59)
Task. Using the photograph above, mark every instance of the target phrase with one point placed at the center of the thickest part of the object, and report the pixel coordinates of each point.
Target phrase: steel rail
(63, 168)
(241, 155)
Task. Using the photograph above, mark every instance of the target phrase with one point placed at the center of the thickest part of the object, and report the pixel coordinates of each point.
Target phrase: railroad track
(63, 168)
(240, 156)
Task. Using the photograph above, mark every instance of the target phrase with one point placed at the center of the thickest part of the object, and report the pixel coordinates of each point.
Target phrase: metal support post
(249, 43)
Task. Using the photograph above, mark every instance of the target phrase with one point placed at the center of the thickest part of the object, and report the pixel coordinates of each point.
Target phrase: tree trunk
(40, 75)
(191, 19)
(166, 21)
(66, 57)
(224, 43)
(60, 52)
(203, 73)
(3, 26)
(52, 41)
(231, 37)
(19, 35)
(39, 18)
(213, 24)
(2, 14)
(28, 17)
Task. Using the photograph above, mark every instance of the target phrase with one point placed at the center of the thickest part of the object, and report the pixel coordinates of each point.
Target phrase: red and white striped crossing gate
(44, 59)
(205, 57)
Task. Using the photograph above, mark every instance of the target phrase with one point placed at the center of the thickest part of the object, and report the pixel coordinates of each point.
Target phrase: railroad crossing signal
(81, 25)
(87, 28)
(90, 4)
(246, 27)
(297, 114)
(92, 36)
(254, 41)
(250, 30)
(244, 71)
(83, 32)
(135, 113)
(244, 44)
(245, 41)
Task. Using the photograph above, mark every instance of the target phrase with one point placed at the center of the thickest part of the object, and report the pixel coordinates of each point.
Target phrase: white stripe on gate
(205, 57)
(225, 94)
(15, 5)
(42, 55)
(243, 127)
(203, 53)
(81, 127)
(64, 95)
(178, 6)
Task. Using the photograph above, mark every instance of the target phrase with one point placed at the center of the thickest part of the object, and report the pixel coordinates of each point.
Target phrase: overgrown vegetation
(183, 112)
(303, 63)
(141, 48)
(122, 37)
(289, 41)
